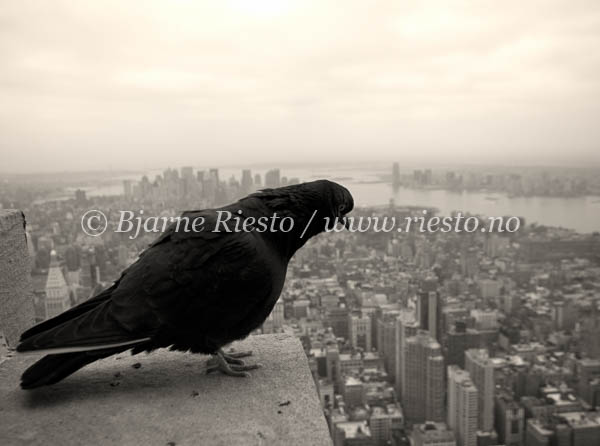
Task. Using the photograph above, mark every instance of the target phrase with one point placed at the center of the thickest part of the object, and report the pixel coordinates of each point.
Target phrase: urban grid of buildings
(467, 339)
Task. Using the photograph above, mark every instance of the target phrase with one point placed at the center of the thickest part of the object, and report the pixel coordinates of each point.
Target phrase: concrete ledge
(16, 294)
(169, 400)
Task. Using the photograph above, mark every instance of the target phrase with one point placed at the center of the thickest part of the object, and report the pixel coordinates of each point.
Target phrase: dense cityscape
(514, 182)
(467, 339)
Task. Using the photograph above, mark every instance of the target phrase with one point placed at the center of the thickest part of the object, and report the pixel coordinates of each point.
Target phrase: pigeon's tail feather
(82, 348)
(53, 368)
(96, 329)
(74, 343)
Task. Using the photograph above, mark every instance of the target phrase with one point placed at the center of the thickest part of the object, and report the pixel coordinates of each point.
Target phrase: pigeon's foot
(230, 364)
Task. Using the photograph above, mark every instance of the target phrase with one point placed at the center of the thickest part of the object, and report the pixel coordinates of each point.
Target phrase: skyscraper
(246, 181)
(360, 331)
(386, 344)
(462, 412)
(272, 178)
(434, 314)
(423, 386)
(338, 320)
(187, 172)
(406, 326)
(214, 175)
(429, 312)
(275, 319)
(481, 368)
(332, 358)
(509, 420)
(57, 290)
(396, 175)
(588, 372)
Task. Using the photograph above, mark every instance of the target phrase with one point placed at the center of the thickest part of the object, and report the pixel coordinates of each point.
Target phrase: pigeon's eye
(341, 208)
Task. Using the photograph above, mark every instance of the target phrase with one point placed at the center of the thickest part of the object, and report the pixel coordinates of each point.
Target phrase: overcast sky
(87, 85)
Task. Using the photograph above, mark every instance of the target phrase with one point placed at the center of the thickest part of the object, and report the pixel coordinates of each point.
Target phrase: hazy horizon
(133, 86)
(364, 165)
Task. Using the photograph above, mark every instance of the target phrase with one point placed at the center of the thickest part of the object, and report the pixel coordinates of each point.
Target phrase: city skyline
(451, 338)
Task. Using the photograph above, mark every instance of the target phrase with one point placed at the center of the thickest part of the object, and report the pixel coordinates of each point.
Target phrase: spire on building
(57, 290)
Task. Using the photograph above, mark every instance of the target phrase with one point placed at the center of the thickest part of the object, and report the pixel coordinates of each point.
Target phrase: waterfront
(365, 182)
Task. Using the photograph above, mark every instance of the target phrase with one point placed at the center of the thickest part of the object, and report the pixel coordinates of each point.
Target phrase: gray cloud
(92, 84)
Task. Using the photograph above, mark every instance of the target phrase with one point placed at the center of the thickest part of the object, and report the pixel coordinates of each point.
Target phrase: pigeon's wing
(72, 313)
(202, 279)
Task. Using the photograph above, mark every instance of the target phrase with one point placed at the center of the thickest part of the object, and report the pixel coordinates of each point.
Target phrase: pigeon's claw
(233, 358)
(229, 364)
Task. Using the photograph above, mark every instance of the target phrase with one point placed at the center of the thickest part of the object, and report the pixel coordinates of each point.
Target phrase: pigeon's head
(337, 199)
(315, 205)
(331, 202)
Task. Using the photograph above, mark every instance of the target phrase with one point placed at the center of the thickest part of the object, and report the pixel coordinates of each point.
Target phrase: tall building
(485, 319)
(385, 422)
(490, 288)
(87, 264)
(509, 418)
(406, 327)
(338, 320)
(301, 308)
(396, 175)
(247, 182)
(459, 339)
(272, 178)
(360, 331)
(274, 321)
(187, 172)
(72, 258)
(80, 197)
(588, 373)
(434, 313)
(57, 290)
(423, 386)
(277, 314)
(462, 413)
(213, 174)
(386, 344)
(332, 358)
(481, 368)
(429, 311)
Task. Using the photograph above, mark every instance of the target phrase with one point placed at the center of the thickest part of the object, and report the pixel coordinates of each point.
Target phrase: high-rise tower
(481, 368)
(57, 290)
(423, 386)
(462, 412)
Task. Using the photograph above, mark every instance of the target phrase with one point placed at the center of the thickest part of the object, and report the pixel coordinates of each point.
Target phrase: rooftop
(434, 431)
(354, 429)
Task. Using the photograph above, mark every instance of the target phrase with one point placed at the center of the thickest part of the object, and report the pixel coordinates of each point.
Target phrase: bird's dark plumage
(190, 290)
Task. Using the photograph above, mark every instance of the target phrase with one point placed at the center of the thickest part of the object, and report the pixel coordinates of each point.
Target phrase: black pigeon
(192, 290)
